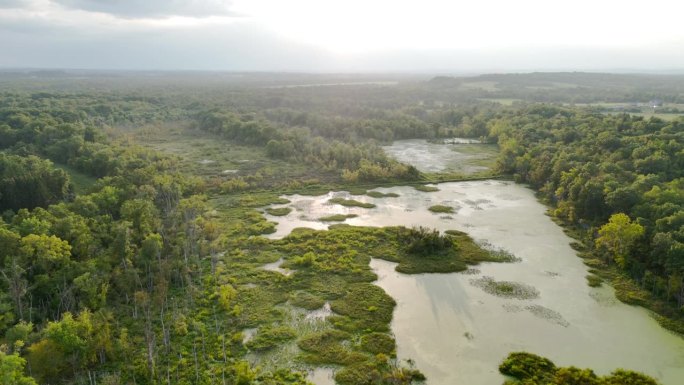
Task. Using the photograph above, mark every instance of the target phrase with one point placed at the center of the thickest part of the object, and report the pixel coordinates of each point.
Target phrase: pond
(456, 331)
(463, 156)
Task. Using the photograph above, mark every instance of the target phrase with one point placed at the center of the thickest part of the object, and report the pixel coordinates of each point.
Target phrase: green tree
(618, 236)
(45, 251)
(12, 370)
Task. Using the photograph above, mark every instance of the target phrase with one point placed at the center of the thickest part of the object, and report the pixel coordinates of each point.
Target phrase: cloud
(134, 9)
(237, 46)
(4, 4)
(204, 34)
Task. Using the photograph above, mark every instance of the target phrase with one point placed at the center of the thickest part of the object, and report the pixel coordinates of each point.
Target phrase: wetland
(457, 327)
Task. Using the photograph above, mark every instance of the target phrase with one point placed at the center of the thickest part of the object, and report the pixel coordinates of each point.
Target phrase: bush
(523, 366)
(423, 241)
(378, 343)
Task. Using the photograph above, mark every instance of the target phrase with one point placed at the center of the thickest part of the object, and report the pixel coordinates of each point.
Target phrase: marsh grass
(378, 194)
(337, 217)
(377, 343)
(425, 188)
(279, 211)
(367, 306)
(269, 337)
(593, 280)
(441, 209)
(328, 347)
(351, 203)
(306, 300)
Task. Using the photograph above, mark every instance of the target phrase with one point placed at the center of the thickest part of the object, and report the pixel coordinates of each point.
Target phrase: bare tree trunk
(194, 353)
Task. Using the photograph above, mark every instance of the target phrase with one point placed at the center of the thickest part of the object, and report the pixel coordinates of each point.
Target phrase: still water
(464, 156)
(457, 333)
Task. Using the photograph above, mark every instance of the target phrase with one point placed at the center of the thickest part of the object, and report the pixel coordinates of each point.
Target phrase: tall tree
(618, 236)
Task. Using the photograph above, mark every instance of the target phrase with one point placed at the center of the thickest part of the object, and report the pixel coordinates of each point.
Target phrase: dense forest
(119, 264)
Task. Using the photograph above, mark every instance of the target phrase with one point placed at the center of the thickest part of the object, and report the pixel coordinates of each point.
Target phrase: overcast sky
(343, 35)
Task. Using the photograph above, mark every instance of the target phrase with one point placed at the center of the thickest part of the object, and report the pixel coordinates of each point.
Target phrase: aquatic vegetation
(629, 292)
(377, 343)
(268, 337)
(378, 194)
(425, 188)
(594, 280)
(506, 289)
(337, 217)
(351, 203)
(257, 305)
(379, 371)
(441, 209)
(278, 212)
(547, 314)
(306, 300)
(366, 306)
(328, 347)
(504, 256)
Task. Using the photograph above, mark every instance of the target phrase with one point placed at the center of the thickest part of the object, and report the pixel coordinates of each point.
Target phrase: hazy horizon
(307, 36)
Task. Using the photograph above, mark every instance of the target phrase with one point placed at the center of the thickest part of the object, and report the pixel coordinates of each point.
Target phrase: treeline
(27, 182)
(357, 160)
(620, 178)
(566, 87)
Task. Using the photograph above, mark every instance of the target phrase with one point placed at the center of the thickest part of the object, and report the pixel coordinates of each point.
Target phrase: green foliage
(368, 307)
(378, 372)
(575, 376)
(528, 366)
(226, 296)
(424, 241)
(28, 182)
(269, 337)
(306, 300)
(532, 369)
(628, 377)
(257, 305)
(618, 236)
(12, 370)
(327, 348)
(19, 333)
(377, 343)
(45, 251)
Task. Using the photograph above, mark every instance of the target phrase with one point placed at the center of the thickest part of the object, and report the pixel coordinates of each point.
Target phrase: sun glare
(356, 26)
